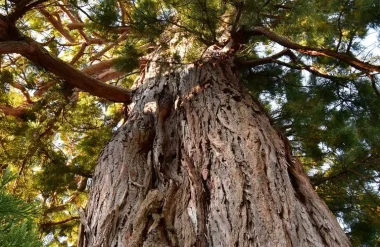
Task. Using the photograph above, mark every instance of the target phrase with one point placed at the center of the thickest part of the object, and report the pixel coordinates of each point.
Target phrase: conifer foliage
(18, 227)
(67, 68)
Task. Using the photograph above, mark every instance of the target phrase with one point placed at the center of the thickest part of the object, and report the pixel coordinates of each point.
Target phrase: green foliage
(55, 176)
(128, 59)
(147, 19)
(106, 13)
(17, 227)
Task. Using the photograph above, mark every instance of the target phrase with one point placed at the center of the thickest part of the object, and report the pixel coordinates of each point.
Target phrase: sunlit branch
(73, 19)
(81, 25)
(23, 90)
(110, 46)
(123, 12)
(98, 67)
(43, 88)
(57, 25)
(37, 54)
(75, 25)
(354, 62)
(297, 64)
(83, 182)
(47, 225)
(79, 54)
(75, 77)
(18, 112)
(310, 69)
(266, 60)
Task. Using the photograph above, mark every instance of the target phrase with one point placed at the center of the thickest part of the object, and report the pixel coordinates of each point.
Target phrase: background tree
(319, 84)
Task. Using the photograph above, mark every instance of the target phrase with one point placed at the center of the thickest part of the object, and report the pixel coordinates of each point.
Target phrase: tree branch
(76, 78)
(57, 24)
(79, 54)
(15, 47)
(99, 67)
(22, 7)
(73, 19)
(265, 60)
(110, 46)
(13, 111)
(310, 69)
(23, 90)
(354, 62)
(297, 64)
(47, 225)
(373, 82)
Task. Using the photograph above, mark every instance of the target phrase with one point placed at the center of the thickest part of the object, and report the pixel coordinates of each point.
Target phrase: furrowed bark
(198, 163)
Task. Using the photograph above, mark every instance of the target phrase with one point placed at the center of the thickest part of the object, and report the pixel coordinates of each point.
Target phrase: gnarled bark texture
(198, 163)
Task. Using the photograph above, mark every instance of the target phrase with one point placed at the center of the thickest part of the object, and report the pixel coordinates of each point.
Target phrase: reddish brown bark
(198, 163)
(56, 24)
(11, 111)
(12, 41)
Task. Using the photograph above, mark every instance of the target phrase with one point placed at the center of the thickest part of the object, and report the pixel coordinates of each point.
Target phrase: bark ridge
(198, 163)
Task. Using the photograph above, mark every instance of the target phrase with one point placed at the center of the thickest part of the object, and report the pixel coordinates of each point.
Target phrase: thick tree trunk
(198, 163)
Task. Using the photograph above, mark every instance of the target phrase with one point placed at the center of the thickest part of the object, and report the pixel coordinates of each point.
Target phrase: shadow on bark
(198, 163)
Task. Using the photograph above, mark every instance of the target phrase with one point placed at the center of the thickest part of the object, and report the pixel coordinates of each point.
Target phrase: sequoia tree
(211, 92)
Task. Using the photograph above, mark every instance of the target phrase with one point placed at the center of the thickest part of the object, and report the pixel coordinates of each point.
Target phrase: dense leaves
(18, 227)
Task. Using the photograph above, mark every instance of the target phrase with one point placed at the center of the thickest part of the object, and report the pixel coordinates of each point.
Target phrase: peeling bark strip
(206, 168)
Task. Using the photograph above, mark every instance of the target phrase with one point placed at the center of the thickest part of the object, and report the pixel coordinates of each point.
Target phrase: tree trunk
(198, 163)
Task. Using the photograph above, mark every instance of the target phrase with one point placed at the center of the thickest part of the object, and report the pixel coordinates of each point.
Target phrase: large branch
(76, 78)
(103, 71)
(57, 25)
(298, 64)
(110, 46)
(95, 68)
(265, 60)
(22, 7)
(354, 62)
(15, 47)
(11, 111)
